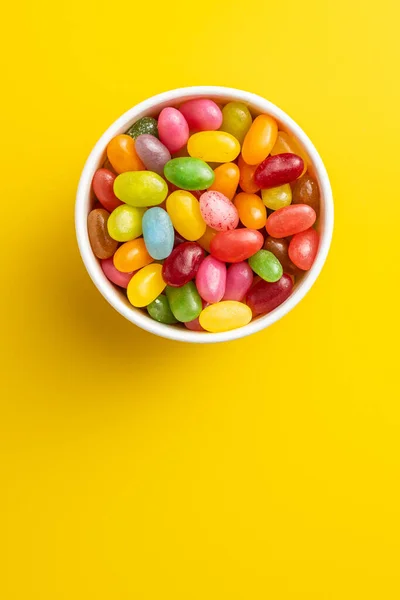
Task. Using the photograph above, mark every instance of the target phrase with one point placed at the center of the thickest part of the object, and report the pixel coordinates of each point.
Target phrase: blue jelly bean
(158, 233)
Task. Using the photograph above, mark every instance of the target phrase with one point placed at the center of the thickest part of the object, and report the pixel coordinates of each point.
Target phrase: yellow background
(135, 467)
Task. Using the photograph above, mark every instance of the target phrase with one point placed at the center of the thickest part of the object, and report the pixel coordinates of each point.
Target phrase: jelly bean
(140, 188)
(194, 325)
(218, 212)
(182, 264)
(108, 166)
(184, 210)
(237, 120)
(132, 256)
(277, 197)
(246, 179)
(290, 220)
(103, 187)
(173, 129)
(202, 114)
(224, 316)
(239, 278)
(265, 296)
(251, 209)
(160, 311)
(286, 143)
(266, 265)
(121, 153)
(125, 223)
(236, 246)
(146, 285)
(185, 302)
(205, 239)
(115, 276)
(303, 249)
(259, 140)
(189, 173)
(211, 279)
(145, 125)
(280, 248)
(226, 180)
(102, 244)
(152, 153)
(306, 191)
(158, 233)
(213, 146)
(178, 239)
(278, 170)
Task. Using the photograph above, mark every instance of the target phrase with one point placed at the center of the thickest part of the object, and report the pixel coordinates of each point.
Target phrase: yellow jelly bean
(277, 197)
(224, 316)
(184, 211)
(213, 146)
(206, 238)
(259, 140)
(286, 143)
(146, 285)
(226, 180)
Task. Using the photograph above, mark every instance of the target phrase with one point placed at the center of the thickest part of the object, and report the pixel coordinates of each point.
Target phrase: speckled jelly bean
(239, 278)
(185, 302)
(303, 249)
(103, 187)
(246, 179)
(226, 180)
(102, 243)
(132, 256)
(201, 114)
(182, 264)
(237, 245)
(218, 212)
(306, 191)
(184, 210)
(205, 240)
(121, 153)
(152, 153)
(225, 316)
(286, 143)
(125, 223)
(213, 146)
(173, 129)
(211, 279)
(259, 140)
(158, 233)
(266, 265)
(160, 311)
(290, 220)
(278, 170)
(140, 188)
(145, 125)
(277, 197)
(115, 276)
(146, 285)
(251, 210)
(280, 248)
(264, 296)
(237, 120)
(189, 173)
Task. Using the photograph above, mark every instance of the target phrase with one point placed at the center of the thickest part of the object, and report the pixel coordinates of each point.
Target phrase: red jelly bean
(290, 220)
(303, 249)
(236, 245)
(182, 264)
(278, 170)
(117, 277)
(264, 296)
(103, 187)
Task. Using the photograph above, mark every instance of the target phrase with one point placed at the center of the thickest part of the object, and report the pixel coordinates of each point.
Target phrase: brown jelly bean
(102, 244)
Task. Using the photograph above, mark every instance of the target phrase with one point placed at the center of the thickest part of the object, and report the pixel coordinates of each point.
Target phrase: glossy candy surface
(115, 276)
(278, 170)
(182, 264)
(158, 233)
(102, 244)
(277, 197)
(185, 301)
(103, 187)
(184, 210)
(218, 212)
(145, 125)
(266, 265)
(303, 249)
(239, 278)
(140, 188)
(286, 143)
(211, 279)
(189, 173)
(226, 180)
(194, 325)
(213, 146)
(173, 129)
(251, 210)
(205, 240)
(306, 191)
(201, 114)
(152, 153)
(246, 179)
(125, 223)
(160, 311)
(224, 316)
(237, 120)
(280, 248)
(290, 220)
(121, 153)
(264, 296)
(146, 285)
(259, 140)
(237, 245)
(132, 256)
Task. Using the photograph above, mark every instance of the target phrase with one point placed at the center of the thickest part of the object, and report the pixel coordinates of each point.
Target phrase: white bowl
(151, 107)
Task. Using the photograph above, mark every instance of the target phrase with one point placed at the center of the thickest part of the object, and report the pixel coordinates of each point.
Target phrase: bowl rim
(92, 264)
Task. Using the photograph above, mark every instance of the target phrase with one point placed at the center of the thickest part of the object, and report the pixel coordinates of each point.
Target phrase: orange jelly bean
(121, 153)
(205, 239)
(246, 179)
(226, 180)
(251, 209)
(260, 139)
(285, 143)
(132, 256)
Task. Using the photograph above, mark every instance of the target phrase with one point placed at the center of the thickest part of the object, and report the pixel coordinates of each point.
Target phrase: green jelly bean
(236, 120)
(140, 188)
(266, 265)
(160, 311)
(185, 301)
(189, 173)
(125, 223)
(144, 125)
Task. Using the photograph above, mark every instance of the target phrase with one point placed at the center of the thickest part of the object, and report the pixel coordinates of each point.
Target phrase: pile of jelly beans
(205, 215)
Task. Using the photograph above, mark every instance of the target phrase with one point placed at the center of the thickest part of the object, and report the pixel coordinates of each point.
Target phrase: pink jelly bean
(218, 211)
(303, 249)
(211, 279)
(195, 324)
(115, 276)
(239, 278)
(202, 114)
(173, 129)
